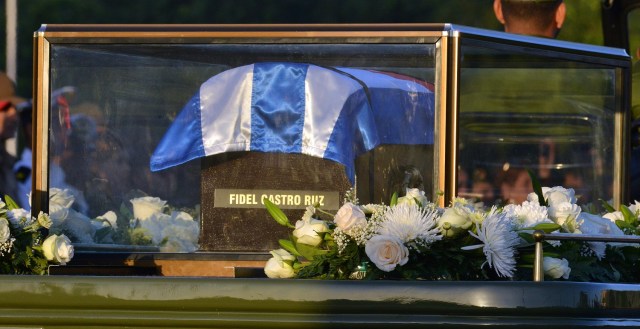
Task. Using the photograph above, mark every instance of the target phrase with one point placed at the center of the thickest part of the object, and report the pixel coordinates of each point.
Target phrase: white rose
(454, 220)
(146, 206)
(59, 214)
(349, 216)
(5, 230)
(614, 216)
(532, 197)
(386, 252)
(306, 231)
(565, 214)
(154, 226)
(19, 217)
(414, 196)
(58, 248)
(60, 198)
(593, 224)
(74, 223)
(181, 233)
(558, 194)
(280, 265)
(309, 212)
(110, 217)
(635, 208)
(373, 208)
(556, 268)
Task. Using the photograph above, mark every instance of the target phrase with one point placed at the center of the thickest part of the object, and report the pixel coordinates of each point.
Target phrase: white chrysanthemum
(528, 214)
(499, 241)
(410, 223)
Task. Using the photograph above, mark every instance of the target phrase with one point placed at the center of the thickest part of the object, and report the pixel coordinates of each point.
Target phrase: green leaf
(124, 210)
(276, 213)
(629, 217)
(537, 188)
(11, 204)
(607, 206)
(102, 233)
(289, 246)
(309, 252)
(526, 237)
(394, 199)
(546, 227)
(624, 225)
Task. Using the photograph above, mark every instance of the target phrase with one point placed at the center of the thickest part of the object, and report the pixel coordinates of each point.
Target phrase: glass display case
(166, 139)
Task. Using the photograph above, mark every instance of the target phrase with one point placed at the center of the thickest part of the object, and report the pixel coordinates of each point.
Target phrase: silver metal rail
(540, 236)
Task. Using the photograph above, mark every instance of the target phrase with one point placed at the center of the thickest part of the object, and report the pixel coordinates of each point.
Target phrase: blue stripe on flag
(277, 107)
(182, 141)
(403, 109)
(353, 133)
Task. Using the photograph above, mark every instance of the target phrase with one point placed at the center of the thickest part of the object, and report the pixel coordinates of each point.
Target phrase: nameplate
(284, 199)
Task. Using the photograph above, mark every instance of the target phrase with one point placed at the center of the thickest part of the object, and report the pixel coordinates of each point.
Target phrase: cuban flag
(331, 113)
(273, 107)
(403, 106)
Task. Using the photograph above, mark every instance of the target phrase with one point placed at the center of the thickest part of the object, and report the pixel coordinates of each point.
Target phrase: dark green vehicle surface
(163, 302)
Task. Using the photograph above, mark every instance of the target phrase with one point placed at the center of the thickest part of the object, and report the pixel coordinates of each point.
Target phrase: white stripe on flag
(325, 95)
(225, 107)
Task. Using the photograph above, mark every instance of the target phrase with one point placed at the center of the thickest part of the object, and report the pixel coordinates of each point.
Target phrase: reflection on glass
(517, 113)
(634, 48)
(634, 34)
(113, 104)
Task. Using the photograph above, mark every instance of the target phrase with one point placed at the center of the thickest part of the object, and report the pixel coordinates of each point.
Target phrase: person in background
(543, 18)
(515, 184)
(8, 128)
(22, 168)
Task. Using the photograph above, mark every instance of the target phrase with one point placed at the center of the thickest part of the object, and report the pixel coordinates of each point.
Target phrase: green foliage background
(582, 25)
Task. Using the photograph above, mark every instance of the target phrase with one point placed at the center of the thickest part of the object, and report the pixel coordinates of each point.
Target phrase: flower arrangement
(26, 246)
(412, 238)
(148, 221)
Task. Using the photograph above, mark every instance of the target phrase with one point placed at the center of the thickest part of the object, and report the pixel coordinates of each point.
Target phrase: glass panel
(113, 104)
(519, 112)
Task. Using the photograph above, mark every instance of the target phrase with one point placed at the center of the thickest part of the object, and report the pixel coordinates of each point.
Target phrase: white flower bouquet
(26, 246)
(144, 221)
(412, 238)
